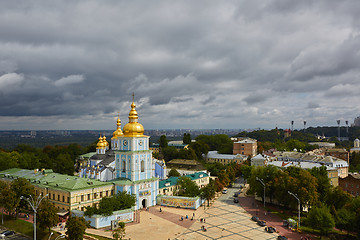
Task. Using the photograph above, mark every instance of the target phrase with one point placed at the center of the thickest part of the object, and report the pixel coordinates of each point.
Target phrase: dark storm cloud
(189, 63)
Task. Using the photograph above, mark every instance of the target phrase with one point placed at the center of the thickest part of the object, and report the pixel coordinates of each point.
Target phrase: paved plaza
(226, 221)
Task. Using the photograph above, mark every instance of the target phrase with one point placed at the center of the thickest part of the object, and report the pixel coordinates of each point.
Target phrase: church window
(124, 166)
(142, 166)
(82, 198)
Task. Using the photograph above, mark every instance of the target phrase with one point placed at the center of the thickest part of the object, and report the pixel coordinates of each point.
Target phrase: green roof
(48, 179)
(171, 181)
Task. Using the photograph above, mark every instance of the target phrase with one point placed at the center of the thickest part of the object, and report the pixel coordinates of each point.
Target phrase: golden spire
(118, 132)
(133, 116)
(133, 128)
(105, 142)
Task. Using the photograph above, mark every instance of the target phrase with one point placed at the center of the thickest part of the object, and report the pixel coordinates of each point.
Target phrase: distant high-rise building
(356, 122)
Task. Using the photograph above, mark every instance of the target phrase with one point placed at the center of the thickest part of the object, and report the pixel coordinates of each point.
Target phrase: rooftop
(48, 179)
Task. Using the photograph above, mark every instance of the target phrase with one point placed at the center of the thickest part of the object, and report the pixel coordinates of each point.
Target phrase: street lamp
(61, 236)
(262, 182)
(34, 204)
(298, 204)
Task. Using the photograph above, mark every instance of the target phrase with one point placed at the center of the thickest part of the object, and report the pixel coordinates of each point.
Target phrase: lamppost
(61, 236)
(298, 204)
(262, 182)
(34, 204)
(58, 237)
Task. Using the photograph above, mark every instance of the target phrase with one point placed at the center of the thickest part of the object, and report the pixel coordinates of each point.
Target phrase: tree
(323, 181)
(200, 148)
(174, 173)
(338, 198)
(107, 205)
(187, 188)
(208, 192)
(321, 219)
(47, 215)
(218, 185)
(345, 220)
(9, 199)
(220, 142)
(163, 143)
(64, 164)
(76, 227)
(119, 233)
(224, 177)
(21, 187)
(187, 138)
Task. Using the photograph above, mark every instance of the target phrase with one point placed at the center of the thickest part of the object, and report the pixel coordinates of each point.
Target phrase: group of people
(187, 217)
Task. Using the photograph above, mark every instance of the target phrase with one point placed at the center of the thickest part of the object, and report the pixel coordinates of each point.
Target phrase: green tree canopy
(76, 227)
(187, 138)
(208, 192)
(107, 205)
(321, 219)
(47, 215)
(323, 181)
(21, 187)
(187, 188)
(174, 173)
(163, 143)
(220, 142)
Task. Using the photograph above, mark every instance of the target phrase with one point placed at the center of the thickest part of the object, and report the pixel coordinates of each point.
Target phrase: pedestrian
(187, 217)
(160, 210)
(204, 219)
(193, 214)
(192, 218)
(265, 213)
(201, 220)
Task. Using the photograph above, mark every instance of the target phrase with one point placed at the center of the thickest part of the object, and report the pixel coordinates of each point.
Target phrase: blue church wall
(159, 171)
(119, 189)
(98, 221)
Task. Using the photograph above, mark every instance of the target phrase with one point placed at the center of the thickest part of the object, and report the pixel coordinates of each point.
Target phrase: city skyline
(192, 65)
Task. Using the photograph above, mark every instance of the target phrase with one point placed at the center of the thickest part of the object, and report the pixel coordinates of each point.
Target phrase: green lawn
(26, 228)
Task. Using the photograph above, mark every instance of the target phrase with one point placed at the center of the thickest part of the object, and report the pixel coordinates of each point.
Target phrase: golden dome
(133, 128)
(118, 132)
(105, 142)
(101, 143)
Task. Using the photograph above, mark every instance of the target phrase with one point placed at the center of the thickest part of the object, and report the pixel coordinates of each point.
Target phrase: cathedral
(127, 162)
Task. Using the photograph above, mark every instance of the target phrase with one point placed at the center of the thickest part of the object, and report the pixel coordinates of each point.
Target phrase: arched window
(142, 166)
(124, 166)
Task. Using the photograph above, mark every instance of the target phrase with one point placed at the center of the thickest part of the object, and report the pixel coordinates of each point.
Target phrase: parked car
(282, 238)
(261, 223)
(254, 218)
(236, 194)
(224, 191)
(270, 229)
(6, 233)
(236, 200)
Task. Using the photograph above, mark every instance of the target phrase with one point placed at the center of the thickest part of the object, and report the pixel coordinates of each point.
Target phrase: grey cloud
(67, 60)
(313, 105)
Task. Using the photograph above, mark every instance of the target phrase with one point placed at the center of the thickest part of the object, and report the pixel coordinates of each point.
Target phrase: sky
(191, 64)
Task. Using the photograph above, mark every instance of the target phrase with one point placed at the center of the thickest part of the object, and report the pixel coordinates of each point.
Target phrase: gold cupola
(105, 142)
(118, 132)
(100, 144)
(133, 128)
